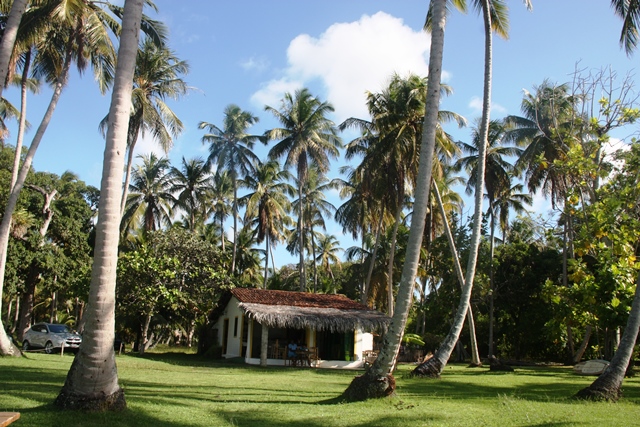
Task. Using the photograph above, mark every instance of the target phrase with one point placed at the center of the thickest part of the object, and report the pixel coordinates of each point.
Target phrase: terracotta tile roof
(295, 299)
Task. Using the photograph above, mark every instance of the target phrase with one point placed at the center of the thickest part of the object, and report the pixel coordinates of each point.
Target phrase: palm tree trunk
(301, 266)
(5, 225)
(434, 366)
(264, 345)
(92, 381)
(266, 261)
(372, 261)
(492, 285)
(235, 224)
(127, 176)
(475, 354)
(392, 254)
(23, 119)
(9, 38)
(315, 264)
(378, 381)
(607, 385)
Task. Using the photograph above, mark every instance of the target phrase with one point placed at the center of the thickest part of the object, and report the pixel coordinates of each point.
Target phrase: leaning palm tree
(230, 148)
(378, 381)
(496, 179)
(92, 381)
(66, 33)
(494, 13)
(192, 184)
(151, 197)
(307, 138)
(267, 206)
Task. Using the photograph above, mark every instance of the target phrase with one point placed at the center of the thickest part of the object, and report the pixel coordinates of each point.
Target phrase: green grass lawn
(177, 389)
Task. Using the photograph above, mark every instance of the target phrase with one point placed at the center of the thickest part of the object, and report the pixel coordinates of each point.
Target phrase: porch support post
(264, 345)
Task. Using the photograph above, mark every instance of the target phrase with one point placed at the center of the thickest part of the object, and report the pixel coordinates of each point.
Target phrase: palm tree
(495, 18)
(546, 129)
(267, 206)
(192, 183)
(307, 137)
(248, 257)
(377, 381)
(328, 249)
(390, 143)
(158, 77)
(9, 35)
(222, 193)
(315, 208)
(92, 381)
(151, 197)
(508, 197)
(230, 148)
(65, 32)
(629, 11)
(496, 179)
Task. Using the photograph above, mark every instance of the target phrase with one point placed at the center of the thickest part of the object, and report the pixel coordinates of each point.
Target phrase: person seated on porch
(292, 349)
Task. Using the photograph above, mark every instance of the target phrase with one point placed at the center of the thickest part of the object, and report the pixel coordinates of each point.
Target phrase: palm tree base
(7, 348)
(369, 386)
(599, 394)
(475, 365)
(92, 403)
(431, 368)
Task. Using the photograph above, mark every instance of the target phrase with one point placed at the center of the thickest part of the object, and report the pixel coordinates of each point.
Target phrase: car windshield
(59, 329)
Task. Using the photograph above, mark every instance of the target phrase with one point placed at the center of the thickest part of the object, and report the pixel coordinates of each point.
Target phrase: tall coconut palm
(92, 381)
(307, 137)
(267, 206)
(158, 77)
(506, 198)
(151, 197)
(315, 208)
(230, 148)
(494, 13)
(546, 132)
(222, 193)
(496, 179)
(192, 183)
(328, 249)
(67, 32)
(378, 381)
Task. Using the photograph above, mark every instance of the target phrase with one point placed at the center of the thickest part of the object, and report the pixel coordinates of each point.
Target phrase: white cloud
(350, 59)
(255, 64)
(271, 93)
(476, 105)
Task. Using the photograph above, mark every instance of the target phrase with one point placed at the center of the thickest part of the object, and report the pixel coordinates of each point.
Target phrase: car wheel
(48, 347)
(25, 345)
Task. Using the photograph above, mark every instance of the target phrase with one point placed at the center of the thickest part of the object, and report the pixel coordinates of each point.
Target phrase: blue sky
(250, 52)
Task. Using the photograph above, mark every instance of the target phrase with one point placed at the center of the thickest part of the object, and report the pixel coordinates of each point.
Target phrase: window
(235, 327)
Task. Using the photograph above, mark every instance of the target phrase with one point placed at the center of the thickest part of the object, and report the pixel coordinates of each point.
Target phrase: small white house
(336, 329)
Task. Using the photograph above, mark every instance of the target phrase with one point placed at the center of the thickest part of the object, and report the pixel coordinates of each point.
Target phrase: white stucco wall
(234, 344)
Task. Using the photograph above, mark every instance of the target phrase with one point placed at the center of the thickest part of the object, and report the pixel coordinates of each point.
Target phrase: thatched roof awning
(325, 318)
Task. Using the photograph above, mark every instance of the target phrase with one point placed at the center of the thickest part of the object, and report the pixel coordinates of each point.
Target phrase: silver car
(50, 337)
